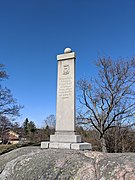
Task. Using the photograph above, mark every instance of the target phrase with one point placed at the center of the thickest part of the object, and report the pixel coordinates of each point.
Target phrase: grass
(9, 147)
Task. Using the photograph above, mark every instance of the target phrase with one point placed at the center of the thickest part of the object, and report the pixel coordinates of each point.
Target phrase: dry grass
(3, 147)
(7, 148)
(10, 147)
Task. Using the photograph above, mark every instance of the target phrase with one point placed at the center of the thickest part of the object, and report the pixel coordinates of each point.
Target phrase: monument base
(65, 138)
(62, 145)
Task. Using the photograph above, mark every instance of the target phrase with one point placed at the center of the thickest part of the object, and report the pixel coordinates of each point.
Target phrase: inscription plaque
(65, 87)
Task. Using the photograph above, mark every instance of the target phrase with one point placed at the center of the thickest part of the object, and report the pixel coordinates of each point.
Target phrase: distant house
(11, 137)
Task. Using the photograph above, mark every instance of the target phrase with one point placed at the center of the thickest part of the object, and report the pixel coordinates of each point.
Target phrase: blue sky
(33, 32)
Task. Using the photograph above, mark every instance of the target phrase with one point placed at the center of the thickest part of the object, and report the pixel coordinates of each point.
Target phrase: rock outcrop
(33, 163)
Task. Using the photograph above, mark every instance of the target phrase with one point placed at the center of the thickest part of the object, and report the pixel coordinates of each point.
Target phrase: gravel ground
(33, 163)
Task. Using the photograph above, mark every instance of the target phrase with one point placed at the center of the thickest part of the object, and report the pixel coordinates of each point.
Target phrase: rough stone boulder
(33, 163)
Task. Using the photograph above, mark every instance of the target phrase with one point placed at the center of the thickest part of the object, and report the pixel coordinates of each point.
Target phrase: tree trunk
(103, 144)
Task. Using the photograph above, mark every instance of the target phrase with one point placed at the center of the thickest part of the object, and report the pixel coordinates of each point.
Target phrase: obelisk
(65, 136)
(65, 108)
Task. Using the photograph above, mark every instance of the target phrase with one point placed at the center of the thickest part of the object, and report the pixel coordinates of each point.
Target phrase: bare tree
(8, 105)
(120, 139)
(5, 123)
(110, 97)
(50, 121)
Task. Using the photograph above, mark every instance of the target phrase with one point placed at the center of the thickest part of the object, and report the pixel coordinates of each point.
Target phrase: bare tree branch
(111, 97)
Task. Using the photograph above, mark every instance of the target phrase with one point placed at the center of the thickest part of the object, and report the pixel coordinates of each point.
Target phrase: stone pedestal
(58, 145)
(65, 136)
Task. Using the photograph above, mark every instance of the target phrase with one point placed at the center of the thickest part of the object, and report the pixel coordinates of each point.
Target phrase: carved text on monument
(66, 69)
(65, 87)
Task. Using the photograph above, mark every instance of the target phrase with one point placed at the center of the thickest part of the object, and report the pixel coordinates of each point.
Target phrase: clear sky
(33, 32)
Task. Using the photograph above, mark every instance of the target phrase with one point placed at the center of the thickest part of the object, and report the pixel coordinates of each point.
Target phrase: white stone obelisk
(65, 108)
(65, 112)
(65, 136)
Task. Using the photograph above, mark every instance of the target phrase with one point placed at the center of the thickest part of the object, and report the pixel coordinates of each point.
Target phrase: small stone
(67, 50)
